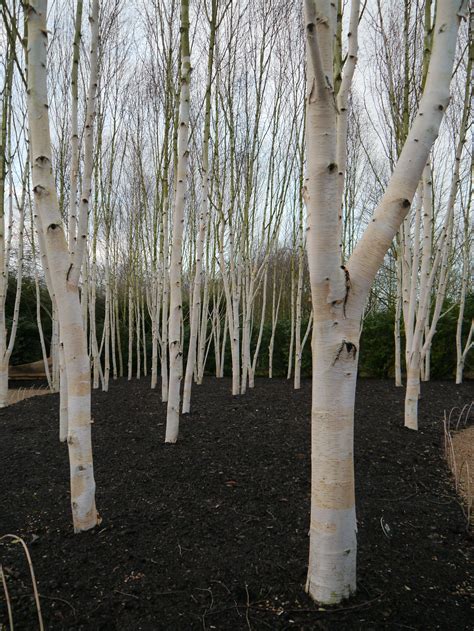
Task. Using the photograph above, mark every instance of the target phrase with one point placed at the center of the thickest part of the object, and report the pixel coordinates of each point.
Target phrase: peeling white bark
(66, 293)
(176, 309)
(339, 295)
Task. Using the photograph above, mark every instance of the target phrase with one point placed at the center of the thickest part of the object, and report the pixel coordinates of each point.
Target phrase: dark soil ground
(211, 533)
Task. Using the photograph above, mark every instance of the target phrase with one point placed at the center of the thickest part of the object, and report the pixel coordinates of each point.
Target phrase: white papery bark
(275, 312)
(94, 347)
(77, 255)
(201, 351)
(7, 342)
(461, 353)
(445, 242)
(63, 399)
(145, 356)
(66, 293)
(6, 158)
(253, 365)
(113, 338)
(138, 337)
(216, 333)
(176, 308)
(414, 330)
(130, 332)
(164, 307)
(248, 295)
(107, 318)
(232, 291)
(54, 345)
(339, 295)
(119, 339)
(39, 324)
(74, 127)
(292, 320)
(223, 347)
(398, 315)
(154, 311)
(7, 349)
(299, 298)
(203, 225)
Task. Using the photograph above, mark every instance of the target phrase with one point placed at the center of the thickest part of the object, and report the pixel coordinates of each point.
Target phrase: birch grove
(234, 191)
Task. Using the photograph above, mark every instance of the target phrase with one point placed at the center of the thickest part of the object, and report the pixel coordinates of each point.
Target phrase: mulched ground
(211, 533)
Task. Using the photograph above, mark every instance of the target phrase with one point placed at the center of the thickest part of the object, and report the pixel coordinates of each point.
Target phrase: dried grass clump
(459, 454)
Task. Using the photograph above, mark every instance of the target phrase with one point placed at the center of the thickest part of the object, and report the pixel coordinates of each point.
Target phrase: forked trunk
(339, 292)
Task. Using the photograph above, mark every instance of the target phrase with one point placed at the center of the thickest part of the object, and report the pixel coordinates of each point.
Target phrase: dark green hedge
(376, 357)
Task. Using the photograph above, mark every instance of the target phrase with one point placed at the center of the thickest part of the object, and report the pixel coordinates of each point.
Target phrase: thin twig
(248, 607)
(461, 415)
(63, 600)
(17, 539)
(7, 598)
(126, 594)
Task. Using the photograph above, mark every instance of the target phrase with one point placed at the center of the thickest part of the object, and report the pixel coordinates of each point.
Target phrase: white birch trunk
(63, 400)
(275, 312)
(7, 349)
(176, 308)
(84, 511)
(253, 365)
(39, 324)
(155, 336)
(247, 303)
(203, 224)
(292, 322)
(398, 315)
(130, 332)
(232, 309)
(299, 297)
(164, 312)
(339, 295)
(145, 358)
(72, 223)
(216, 335)
(460, 352)
(138, 336)
(223, 347)
(119, 339)
(201, 363)
(107, 318)
(113, 338)
(54, 350)
(77, 254)
(5, 159)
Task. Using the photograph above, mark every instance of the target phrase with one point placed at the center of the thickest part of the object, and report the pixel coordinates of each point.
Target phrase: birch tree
(195, 305)
(176, 307)
(339, 291)
(6, 158)
(463, 350)
(420, 332)
(64, 282)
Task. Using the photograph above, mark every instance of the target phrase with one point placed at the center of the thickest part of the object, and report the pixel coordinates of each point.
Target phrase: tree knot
(350, 348)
